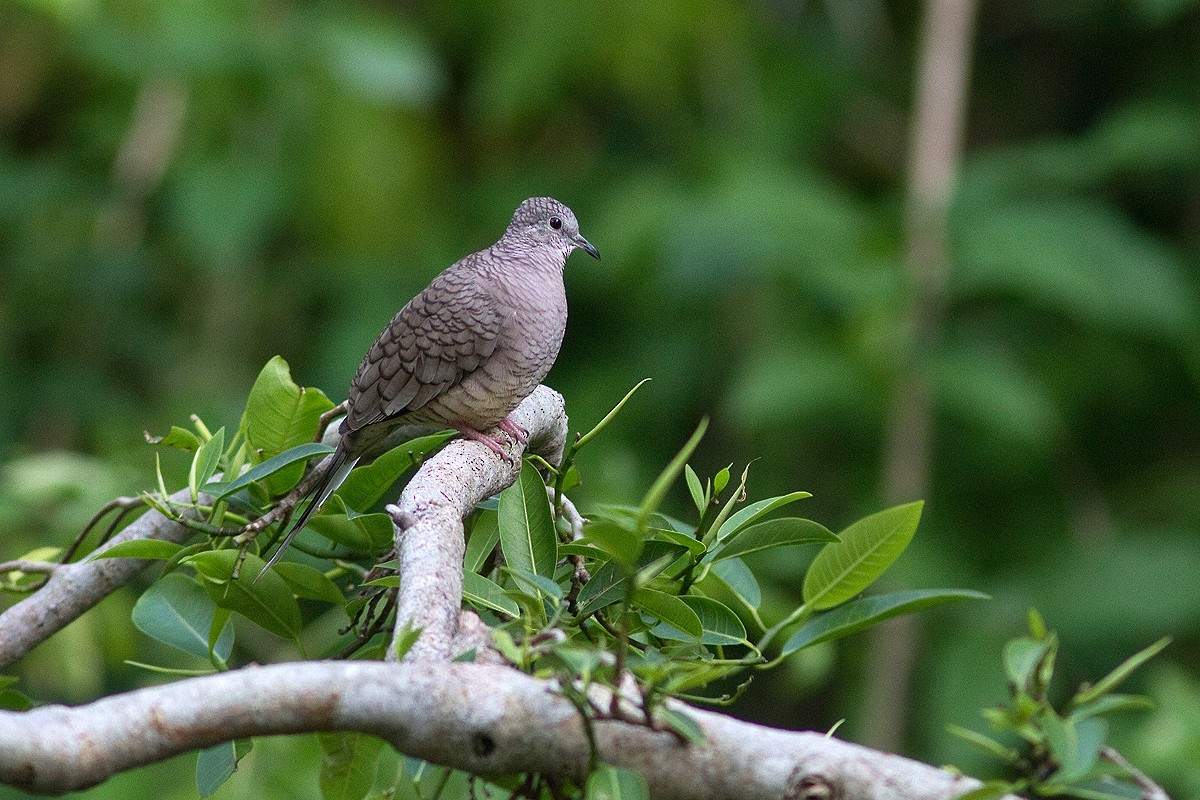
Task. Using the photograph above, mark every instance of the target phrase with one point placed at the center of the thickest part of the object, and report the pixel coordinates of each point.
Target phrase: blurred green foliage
(187, 189)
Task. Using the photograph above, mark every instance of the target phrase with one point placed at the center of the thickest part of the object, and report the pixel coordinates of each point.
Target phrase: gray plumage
(469, 348)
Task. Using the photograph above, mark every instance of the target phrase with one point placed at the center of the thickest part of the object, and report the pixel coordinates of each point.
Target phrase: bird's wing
(444, 333)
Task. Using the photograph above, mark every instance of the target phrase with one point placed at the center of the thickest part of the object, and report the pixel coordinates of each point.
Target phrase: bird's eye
(555, 223)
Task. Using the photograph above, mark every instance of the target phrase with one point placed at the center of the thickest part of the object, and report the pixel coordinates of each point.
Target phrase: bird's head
(546, 221)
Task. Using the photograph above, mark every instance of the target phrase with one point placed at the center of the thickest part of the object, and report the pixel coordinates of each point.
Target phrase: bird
(466, 350)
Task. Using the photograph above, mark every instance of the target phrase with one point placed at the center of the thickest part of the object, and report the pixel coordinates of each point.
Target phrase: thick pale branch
(74, 588)
(484, 719)
(477, 717)
(429, 520)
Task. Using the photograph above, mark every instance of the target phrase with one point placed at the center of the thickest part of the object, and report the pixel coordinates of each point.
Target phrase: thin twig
(32, 567)
(1150, 789)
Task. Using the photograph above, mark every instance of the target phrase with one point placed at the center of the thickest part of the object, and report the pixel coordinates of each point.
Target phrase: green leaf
(485, 534)
(662, 483)
(750, 513)
(363, 533)
(205, 462)
(668, 608)
(772, 533)
(262, 471)
(1021, 659)
(214, 766)
(140, 548)
(1108, 704)
(348, 764)
(616, 783)
(595, 431)
(266, 601)
(279, 416)
(177, 437)
(532, 585)
(1115, 678)
(721, 479)
(610, 583)
(985, 744)
(682, 724)
(365, 485)
(739, 580)
(176, 611)
(12, 700)
(614, 539)
(1076, 746)
(1097, 789)
(867, 548)
(405, 639)
(694, 545)
(527, 536)
(718, 623)
(860, 614)
(695, 488)
(309, 583)
(486, 593)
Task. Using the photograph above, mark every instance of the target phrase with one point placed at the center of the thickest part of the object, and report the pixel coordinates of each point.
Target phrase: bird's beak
(586, 246)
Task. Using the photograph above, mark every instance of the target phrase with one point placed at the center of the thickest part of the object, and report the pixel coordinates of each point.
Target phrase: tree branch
(74, 588)
(483, 719)
(429, 520)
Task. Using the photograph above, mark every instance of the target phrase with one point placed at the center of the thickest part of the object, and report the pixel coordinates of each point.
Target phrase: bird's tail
(339, 467)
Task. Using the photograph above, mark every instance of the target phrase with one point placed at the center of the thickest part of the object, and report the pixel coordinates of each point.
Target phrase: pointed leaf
(867, 548)
(205, 462)
(488, 594)
(266, 601)
(527, 535)
(178, 437)
(610, 583)
(176, 611)
(860, 614)
(658, 490)
(363, 533)
(1115, 678)
(280, 415)
(485, 534)
(309, 583)
(141, 548)
(682, 723)
(264, 470)
(214, 766)
(1021, 659)
(668, 608)
(348, 764)
(719, 624)
(616, 783)
(695, 488)
(739, 580)
(772, 533)
(750, 513)
(614, 539)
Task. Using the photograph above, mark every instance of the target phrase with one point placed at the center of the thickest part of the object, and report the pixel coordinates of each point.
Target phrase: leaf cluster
(1063, 747)
(635, 601)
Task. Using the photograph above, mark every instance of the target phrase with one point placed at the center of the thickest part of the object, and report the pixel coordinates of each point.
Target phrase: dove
(467, 349)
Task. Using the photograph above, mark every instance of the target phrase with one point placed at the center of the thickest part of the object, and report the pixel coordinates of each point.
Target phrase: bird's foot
(487, 441)
(514, 430)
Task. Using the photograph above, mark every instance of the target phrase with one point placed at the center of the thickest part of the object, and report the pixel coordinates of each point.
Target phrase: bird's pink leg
(514, 430)
(487, 441)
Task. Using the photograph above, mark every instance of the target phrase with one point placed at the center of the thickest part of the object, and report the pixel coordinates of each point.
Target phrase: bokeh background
(189, 188)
